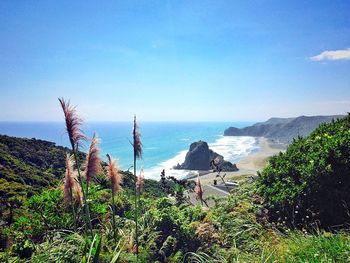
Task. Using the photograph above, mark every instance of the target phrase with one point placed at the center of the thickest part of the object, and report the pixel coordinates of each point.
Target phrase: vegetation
(309, 184)
(54, 224)
(26, 167)
(228, 232)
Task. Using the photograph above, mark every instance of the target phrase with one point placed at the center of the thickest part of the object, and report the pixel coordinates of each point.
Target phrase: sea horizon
(165, 144)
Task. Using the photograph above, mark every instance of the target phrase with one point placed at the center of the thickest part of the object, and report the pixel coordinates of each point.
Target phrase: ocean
(164, 143)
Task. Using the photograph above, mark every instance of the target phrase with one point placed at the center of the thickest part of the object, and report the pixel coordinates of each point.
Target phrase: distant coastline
(282, 130)
(163, 143)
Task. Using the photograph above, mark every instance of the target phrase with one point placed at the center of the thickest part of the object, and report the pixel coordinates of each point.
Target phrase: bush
(309, 184)
(42, 215)
(174, 226)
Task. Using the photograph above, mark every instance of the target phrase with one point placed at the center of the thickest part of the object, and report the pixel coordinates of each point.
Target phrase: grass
(248, 240)
(320, 247)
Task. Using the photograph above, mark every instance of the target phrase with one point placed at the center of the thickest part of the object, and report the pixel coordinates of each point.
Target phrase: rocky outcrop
(282, 130)
(199, 157)
(226, 166)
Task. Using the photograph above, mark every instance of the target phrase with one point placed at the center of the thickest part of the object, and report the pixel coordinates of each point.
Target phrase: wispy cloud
(341, 54)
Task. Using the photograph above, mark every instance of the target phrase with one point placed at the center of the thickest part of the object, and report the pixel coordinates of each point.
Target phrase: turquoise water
(164, 143)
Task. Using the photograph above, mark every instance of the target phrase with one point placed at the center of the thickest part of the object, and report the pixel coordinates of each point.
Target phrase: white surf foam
(154, 172)
(232, 148)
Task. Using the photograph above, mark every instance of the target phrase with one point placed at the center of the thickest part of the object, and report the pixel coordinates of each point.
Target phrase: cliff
(282, 130)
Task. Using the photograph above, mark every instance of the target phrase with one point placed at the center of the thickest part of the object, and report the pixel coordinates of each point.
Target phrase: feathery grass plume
(78, 192)
(114, 175)
(137, 145)
(73, 124)
(137, 140)
(70, 184)
(116, 179)
(140, 182)
(92, 168)
(93, 160)
(199, 190)
(76, 136)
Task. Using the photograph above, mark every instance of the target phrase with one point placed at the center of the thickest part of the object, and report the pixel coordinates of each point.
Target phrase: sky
(174, 60)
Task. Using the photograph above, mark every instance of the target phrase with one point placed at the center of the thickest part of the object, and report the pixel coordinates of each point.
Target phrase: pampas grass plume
(93, 161)
(113, 174)
(73, 124)
(137, 140)
(140, 181)
(70, 183)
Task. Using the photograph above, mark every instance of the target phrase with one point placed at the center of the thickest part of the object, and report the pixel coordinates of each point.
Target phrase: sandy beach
(247, 167)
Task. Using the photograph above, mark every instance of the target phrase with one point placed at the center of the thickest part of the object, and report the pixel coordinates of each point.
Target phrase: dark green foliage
(23, 247)
(169, 230)
(174, 227)
(27, 166)
(151, 188)
(177, 188)
(229, 231)
(309, 184)
(42, 214)
(236, 220)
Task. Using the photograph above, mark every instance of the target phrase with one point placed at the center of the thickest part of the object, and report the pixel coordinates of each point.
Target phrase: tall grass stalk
(116, 179)
(73, 126)
(137, 145)
(70, 185)
(76, 137)
(92, 167)
(139, 186)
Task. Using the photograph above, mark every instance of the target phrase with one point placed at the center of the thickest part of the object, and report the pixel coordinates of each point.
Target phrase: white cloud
(332, 55)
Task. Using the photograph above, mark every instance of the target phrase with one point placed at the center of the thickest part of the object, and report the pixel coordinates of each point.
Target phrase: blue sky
(174, 60)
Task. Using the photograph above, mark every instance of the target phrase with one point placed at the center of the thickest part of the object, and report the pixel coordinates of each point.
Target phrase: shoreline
(231, 147)
(248, 166)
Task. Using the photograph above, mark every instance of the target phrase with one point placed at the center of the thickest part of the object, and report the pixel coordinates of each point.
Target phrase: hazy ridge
(282, 130)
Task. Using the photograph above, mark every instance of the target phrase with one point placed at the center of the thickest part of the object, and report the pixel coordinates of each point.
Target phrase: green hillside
(313, 175)
(309, 184)
(26, 167)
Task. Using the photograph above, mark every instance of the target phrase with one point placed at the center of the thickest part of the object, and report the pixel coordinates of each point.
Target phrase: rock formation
(199, 157)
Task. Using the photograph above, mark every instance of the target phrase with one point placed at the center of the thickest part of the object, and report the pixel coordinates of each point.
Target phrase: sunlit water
(164, 143)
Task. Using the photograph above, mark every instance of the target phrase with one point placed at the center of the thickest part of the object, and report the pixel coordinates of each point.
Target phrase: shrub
(174, 225)
(43, 215)
(309, 184)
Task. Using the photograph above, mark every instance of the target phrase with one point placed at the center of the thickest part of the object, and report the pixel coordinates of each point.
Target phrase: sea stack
(199, 157)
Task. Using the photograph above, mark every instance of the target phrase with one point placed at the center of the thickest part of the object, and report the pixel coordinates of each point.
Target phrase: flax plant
(137, 146)
(116, 180)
